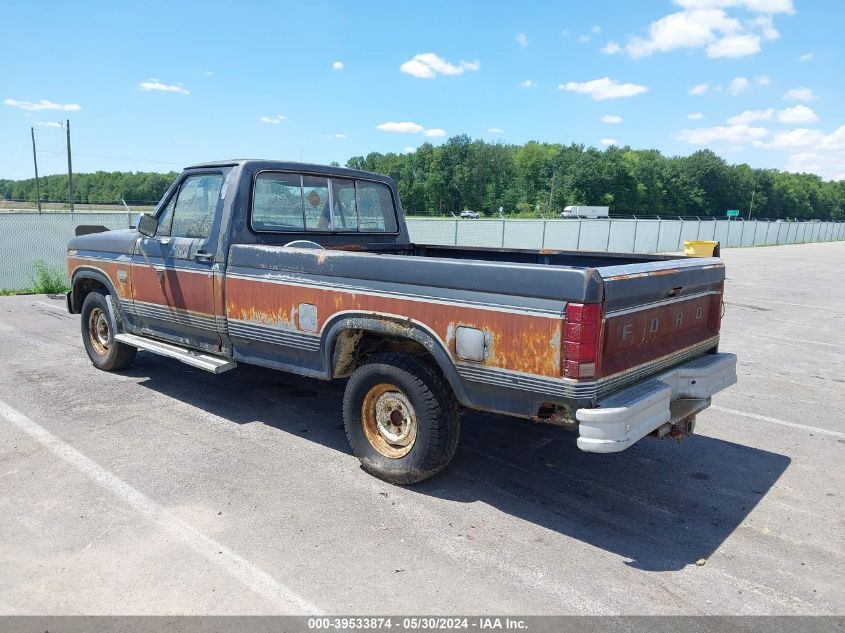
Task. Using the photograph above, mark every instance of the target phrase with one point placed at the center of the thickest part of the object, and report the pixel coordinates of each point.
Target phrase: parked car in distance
(580, 211)
(309, 269)
(470, 215)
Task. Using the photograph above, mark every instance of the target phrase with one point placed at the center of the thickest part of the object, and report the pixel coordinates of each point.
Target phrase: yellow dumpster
(699, 248)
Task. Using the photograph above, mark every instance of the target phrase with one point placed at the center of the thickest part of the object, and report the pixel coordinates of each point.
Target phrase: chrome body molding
(252, 331)
(177, 315)
(657, 304)
(580, 390)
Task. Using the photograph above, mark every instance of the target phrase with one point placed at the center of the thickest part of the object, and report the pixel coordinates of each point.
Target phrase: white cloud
(409, 150)
(49, 124)
(739, 85)
(735, 46)
(208, 73)
(797, 114)
(339, 135)
(429, 66)
(611, 119)
(762, 80)
(564, 33)
(495, 130)
(528, 83)
(611, 48)
(337, 65)
(608, 141)
(42, 104)
(156, 85)
(806, 57)
(829, 164)
(409, 127)
(596, 29)
(799, 94)
(799, 137)
(794, 115)
(521, 39)
(706, 24)
(695, 116)
(604, 88)
(273, 120)
(732, 134)
(699, 89)
(749, 116)
(583, 39)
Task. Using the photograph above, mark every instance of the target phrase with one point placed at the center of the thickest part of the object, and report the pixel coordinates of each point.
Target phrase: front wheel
(401, 418)
(98, 336)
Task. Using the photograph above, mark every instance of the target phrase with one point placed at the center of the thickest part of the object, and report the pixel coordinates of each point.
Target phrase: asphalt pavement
(166, 490)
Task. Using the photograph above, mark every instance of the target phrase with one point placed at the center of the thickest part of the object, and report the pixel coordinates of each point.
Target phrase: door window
(195, 207)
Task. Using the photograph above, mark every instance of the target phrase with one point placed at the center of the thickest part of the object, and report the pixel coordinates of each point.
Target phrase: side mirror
(147, 225)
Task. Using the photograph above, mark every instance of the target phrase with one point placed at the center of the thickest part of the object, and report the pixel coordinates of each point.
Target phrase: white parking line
(790, 339)
(256, 579)
(52, 305)
(765, 418)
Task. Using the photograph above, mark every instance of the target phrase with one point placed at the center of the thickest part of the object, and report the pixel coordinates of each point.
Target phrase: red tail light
(581, 329)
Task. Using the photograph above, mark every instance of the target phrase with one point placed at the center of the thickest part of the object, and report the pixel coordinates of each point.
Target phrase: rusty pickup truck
(309, 269)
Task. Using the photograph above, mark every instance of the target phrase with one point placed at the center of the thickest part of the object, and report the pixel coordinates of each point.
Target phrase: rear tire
(98, 336)
(401, 418)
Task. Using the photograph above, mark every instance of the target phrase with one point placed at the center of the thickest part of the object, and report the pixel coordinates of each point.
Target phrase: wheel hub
(98, 330)
(389, 421)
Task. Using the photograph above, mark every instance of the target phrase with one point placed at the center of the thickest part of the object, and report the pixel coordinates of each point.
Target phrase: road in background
(163, 489)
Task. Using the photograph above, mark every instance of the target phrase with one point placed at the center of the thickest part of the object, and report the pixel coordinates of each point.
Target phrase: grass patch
(5, 292)
(48, 280)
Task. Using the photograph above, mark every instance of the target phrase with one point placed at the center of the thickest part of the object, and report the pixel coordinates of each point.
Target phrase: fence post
(609, 229)
(681, 234)
(698, 233)
(634, 242)
(503, 233)
(659, 226)
(741, 233)
(578, 240)
(456, 232)
(543, 238)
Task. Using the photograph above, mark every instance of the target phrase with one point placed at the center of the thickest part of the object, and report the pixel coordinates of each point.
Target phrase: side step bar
(208, 362)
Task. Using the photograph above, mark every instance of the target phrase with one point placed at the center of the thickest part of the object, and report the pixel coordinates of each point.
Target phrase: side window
(375, 208)
(277, 202)
(315, 196)
(196, 204)
(345, 208)
(165, 220)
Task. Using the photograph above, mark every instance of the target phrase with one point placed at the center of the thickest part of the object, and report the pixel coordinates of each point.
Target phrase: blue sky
(159, 85)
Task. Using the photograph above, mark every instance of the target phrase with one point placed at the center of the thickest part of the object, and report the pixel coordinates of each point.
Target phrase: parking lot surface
(166, 490)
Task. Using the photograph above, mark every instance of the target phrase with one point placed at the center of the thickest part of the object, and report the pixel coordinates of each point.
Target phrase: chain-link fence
(28, 237)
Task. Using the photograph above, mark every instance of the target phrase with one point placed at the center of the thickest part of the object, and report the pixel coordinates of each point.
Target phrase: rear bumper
(674, 396)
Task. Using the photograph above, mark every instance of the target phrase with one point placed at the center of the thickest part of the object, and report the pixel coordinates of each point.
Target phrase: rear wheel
(98, 336)
(401, 418)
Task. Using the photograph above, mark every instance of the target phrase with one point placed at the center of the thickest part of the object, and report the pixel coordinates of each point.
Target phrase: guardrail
(28, 237)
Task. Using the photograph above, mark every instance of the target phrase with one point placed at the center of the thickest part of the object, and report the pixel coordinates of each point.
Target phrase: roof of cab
(257, 164)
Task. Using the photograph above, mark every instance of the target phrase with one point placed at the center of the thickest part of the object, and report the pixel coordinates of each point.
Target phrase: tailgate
(659, 311)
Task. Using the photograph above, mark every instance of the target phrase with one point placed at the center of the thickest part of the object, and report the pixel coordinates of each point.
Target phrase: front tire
(98, 336)
(401, 418)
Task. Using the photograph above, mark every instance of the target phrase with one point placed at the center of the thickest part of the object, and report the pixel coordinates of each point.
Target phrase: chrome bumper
(676, 395)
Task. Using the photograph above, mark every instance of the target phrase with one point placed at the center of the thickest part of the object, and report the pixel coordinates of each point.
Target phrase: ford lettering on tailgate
(642, 334)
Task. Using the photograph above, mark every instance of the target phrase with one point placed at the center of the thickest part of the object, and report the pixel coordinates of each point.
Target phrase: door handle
(203, 256)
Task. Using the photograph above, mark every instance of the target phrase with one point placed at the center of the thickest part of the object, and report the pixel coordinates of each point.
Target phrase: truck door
(173, 272)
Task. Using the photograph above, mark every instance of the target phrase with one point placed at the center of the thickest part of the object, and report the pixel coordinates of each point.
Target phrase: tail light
(581, 329)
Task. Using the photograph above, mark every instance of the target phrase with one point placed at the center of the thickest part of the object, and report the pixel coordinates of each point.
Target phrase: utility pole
(69, 169)
(35, 162)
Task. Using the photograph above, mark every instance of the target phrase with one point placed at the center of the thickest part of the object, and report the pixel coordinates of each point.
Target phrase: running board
(208, 362)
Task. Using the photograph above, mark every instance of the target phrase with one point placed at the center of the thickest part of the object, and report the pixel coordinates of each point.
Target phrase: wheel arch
(389, 327)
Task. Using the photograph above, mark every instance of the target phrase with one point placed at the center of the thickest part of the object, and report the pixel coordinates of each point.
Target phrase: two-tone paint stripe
(251, 331)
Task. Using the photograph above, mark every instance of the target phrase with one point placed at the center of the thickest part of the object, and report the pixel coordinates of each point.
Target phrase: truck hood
(121, 241)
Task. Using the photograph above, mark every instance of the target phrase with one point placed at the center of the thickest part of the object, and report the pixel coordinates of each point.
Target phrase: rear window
(284, 202)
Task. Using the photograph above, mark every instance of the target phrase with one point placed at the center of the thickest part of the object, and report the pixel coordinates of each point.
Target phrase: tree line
(530, 180)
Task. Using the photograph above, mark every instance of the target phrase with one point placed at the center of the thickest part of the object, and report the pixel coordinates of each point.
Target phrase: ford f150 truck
(309, 269)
